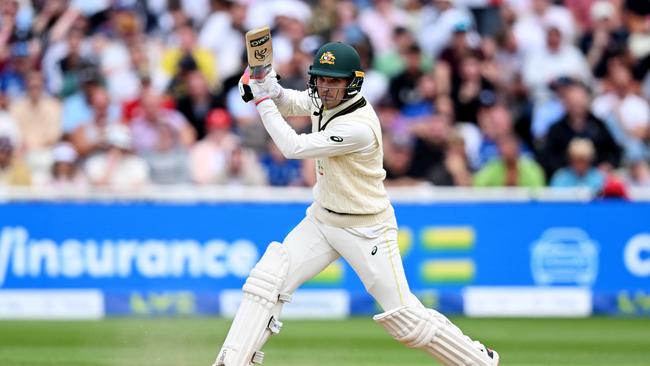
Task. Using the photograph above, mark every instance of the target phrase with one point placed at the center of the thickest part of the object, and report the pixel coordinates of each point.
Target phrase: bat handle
(260, 72)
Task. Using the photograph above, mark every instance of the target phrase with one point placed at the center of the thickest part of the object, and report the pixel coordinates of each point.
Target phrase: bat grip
(260, 72)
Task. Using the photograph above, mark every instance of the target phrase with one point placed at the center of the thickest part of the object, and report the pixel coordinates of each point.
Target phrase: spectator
(495, 122)
(468, 87)
(530, 29)
(392, 62)
(580, 172)
(455, 170)
(637, 173)
(435, 36)
(65, 170)
(223, 34)
(21, 62)
(398, 154)
(90, 138)
(403, 87)
(459, 47)
(511, 169)
(578, 122)
(38, 119)
(8, 125)
(168, 161)
(68, 70)
(626, 113)
(77, 109)
(218, 158)
(429, 148)
(379, 21)
(197, 103)
(281, 171)
(557, 58)
(606, 40)
(188, 56)
(117, 167)
(13, 170)
(37, 115)
(145, 127)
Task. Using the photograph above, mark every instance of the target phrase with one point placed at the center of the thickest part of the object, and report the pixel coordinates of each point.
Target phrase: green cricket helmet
(337, 60)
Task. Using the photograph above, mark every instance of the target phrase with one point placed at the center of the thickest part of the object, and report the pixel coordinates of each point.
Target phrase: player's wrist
(262, 99)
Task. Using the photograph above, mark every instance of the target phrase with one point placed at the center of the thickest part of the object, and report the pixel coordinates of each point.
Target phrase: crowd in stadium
(127, 93)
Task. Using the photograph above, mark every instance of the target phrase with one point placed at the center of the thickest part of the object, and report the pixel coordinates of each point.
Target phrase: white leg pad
(427, 329)
(257, 315)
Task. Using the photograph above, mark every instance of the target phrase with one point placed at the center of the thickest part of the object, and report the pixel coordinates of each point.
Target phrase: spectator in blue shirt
(580, 172)
(279, 170)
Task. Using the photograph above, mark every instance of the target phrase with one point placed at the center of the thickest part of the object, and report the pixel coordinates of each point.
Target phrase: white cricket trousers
(372, 252)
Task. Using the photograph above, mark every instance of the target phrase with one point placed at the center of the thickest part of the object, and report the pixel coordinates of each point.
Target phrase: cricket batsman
(351, 217)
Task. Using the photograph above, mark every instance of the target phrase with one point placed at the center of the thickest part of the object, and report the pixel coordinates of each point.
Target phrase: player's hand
(258, 90)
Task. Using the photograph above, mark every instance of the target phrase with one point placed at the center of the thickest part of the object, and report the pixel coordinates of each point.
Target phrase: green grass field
(195, 341)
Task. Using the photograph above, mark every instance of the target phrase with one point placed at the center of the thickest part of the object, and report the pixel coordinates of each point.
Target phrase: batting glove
(258, 90)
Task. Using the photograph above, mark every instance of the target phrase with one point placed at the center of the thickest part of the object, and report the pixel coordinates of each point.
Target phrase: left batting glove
(259, 90)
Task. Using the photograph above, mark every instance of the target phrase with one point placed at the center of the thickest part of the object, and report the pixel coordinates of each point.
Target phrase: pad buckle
(258, 357)
(275, 325)
(285, 297)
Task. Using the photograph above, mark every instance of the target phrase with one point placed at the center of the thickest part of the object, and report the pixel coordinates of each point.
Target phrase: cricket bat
(259, 50)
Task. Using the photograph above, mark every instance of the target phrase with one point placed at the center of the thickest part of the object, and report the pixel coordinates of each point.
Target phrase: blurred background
(134, 180)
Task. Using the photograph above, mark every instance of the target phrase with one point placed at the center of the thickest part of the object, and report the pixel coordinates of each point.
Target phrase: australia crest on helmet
(327, 58)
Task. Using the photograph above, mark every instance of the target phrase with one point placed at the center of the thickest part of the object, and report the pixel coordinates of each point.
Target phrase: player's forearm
(293, 102)
(284, 136)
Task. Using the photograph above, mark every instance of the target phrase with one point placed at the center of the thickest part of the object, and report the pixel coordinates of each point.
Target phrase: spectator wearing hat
(13, 170)
(145, 126)
(578, 122)
(65, 172)
(117, 167)
(511, 169)
(219, 158)
(459, 47)
(580, 171)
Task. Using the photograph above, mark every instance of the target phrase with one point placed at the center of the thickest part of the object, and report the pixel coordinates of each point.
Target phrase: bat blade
(259, 50)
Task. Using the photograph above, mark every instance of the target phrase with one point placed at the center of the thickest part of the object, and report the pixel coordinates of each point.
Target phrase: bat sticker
(261, 54)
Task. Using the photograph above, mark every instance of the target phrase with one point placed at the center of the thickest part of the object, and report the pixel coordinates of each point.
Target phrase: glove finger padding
(245, 90)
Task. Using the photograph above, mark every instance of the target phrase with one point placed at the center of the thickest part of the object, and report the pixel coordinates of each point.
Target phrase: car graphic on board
(564, 256)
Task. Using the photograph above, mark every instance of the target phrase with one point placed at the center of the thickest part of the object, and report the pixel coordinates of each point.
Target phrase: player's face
(331, 90)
